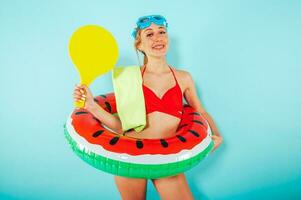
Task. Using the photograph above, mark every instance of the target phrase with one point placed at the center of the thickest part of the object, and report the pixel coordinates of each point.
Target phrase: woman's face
(154, 41)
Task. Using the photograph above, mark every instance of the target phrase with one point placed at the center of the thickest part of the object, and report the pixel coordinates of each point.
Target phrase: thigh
(174, 187)
(131, 188)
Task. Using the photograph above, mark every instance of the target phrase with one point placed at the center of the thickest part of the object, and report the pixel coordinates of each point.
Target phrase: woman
(164, 88)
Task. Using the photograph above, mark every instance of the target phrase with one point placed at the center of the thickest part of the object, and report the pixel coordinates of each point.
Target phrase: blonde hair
(136, 44)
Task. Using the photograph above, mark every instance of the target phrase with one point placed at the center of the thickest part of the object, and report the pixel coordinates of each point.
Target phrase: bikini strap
(170, 70)
(173, 74)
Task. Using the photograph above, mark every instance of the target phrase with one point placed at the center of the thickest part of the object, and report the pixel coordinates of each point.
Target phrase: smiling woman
(164, 88)
(147, 28)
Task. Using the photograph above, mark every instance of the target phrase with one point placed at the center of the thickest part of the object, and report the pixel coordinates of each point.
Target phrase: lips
(158, 46)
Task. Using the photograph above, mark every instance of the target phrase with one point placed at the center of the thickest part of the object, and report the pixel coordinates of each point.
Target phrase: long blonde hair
(136, 44)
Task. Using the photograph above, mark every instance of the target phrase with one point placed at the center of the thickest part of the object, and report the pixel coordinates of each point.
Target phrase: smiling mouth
(158, 46)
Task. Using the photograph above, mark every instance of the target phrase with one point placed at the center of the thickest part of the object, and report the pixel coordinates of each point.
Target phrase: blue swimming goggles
(146, 21)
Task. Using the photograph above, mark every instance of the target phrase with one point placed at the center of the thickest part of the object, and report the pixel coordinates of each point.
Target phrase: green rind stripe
(148, 171)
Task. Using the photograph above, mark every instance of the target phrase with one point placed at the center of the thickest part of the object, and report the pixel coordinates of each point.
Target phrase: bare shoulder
(184, 78)
(182, 74)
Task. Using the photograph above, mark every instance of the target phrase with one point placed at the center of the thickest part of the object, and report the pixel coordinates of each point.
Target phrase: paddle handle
(79, 104)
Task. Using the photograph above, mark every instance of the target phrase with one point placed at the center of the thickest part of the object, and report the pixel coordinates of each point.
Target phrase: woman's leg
(131, 188)
(174, 187)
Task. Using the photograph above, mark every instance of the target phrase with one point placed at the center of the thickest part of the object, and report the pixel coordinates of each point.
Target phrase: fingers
(79, 98)
(80, 88)
(79, 93)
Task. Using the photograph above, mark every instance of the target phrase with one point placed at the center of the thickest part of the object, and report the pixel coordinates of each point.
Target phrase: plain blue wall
(244, 57)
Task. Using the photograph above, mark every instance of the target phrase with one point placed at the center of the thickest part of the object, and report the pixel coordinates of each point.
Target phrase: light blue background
(243, 55)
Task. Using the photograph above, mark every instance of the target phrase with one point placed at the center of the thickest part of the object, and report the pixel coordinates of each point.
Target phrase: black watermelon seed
(114, 140)
(199, 122)
(181, 127)
(97, 120)
(108, 106)
(102, 95)
(97, 133)
(139, 144)
(187, 105)
(164, 143)
(181, 138)
(195, 113)
(81, 113)
(194, 133)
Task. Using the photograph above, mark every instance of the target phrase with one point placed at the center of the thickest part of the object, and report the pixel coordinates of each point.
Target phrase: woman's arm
(83, 93)
(193, 100)
(111, 121)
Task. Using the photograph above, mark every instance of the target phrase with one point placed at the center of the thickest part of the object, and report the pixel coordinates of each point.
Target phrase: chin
(159, 53)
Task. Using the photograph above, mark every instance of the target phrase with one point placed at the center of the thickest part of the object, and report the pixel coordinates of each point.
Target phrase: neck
(156, 64)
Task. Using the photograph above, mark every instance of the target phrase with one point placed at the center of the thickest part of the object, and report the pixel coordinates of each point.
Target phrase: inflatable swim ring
(138, 158)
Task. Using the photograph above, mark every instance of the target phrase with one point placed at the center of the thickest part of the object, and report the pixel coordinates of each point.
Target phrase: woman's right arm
(111, 121)
(83, 93)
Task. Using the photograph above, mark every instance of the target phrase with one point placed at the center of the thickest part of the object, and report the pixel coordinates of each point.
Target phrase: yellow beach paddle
(94, 52)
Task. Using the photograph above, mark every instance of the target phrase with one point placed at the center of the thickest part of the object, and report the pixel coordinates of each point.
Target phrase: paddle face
(94, 51)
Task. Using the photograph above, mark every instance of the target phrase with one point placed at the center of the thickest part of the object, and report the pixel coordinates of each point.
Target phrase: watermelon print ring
(127, 156)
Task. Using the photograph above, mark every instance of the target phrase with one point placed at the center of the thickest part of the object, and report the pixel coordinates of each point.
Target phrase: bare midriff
(158, 125)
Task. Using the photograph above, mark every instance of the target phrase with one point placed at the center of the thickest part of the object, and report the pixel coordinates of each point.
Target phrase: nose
(158, 37)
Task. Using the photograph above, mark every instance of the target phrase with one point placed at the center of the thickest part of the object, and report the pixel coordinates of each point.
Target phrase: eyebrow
(148, 29)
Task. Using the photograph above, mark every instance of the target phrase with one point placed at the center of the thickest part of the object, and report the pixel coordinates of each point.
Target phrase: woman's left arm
(193, 100)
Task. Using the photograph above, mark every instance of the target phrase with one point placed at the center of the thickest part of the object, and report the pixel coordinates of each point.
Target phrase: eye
(149, 34)
(162, 32)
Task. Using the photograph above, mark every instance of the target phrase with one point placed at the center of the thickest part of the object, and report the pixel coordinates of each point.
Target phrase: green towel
(127, 84)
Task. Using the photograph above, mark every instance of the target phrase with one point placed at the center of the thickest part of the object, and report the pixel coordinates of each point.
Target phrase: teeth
(158, 46)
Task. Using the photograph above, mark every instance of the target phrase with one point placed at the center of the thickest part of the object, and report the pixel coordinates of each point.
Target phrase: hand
(83, 93)
(217, 140)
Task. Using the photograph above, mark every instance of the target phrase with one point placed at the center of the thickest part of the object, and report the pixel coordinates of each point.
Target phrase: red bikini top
(170, 103)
